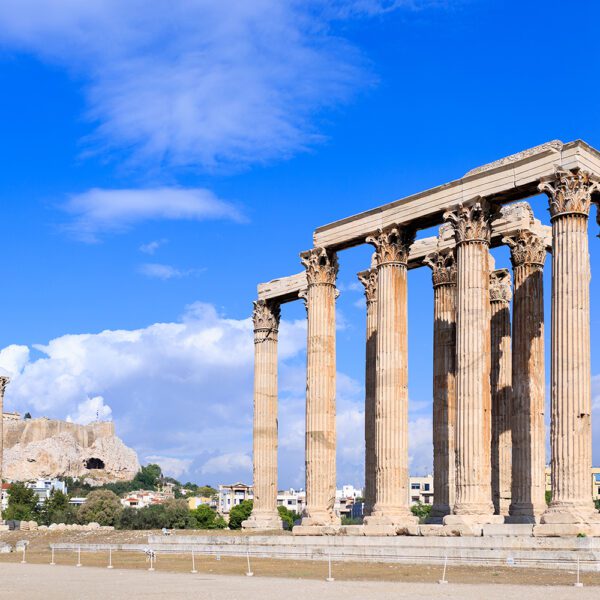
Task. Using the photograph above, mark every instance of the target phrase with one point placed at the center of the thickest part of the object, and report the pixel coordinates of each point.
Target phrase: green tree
(148, 477)
(206, 518)
(206, 491)
(101, 506)
(548, 497)
(27, 415)
(57, 509)
(289, 517)
(239, 513)
(421, 510)
(597, 503)
(22, 503)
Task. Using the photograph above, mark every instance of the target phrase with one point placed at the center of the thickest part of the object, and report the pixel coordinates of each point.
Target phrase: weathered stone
(45, 448)
(266, 327)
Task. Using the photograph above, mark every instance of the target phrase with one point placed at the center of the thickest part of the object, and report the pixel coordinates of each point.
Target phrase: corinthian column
(443, 269)
(369, 280)
(473, 398)
(570, 433)
(528, 253)
(500, 379)
(4, 381)
(266, 324)
(391, 512)
(321, 271)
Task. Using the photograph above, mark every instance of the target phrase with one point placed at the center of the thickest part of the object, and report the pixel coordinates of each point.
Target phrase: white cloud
(198, 82)
(152, 247)
(181, 390)
(227, 463)
(172, 467)
(164, 272)
(92, 409)
(112, 210)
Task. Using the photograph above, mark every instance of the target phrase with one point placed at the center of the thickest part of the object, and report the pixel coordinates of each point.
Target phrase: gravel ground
(44, 582)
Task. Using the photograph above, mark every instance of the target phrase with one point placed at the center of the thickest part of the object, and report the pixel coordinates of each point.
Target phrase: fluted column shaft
(444, 373)
(369, 280)
(3, 383)
(528, 253)
(570, 433)
(266, 324)
(473, 422)
(321, 268)
(391, 405)
(501, 383)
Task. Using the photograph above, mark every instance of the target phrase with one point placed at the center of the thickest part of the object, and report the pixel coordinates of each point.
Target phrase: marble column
(443, 268)
(266, 324)
(391, 513)
(369, 280)
(528, 253)
(501, 383)
(321, 271)
(570, 194)
(472, 230)
(4, 381)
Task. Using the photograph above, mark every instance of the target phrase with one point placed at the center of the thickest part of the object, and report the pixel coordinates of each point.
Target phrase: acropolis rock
(46, 448)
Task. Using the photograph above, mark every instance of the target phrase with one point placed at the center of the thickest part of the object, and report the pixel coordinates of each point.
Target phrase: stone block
(352, 530)
(429, 530)
(380, 530)
(508, 529)
(316, 529)
(566, 530)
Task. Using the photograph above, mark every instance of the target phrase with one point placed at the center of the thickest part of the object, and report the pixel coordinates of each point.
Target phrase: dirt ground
(38, 552)
(43, 582)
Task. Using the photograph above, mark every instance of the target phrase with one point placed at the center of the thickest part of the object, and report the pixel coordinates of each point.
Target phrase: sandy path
(43, 582)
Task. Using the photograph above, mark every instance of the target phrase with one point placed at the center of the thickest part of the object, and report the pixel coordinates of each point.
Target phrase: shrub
(22, 503)
(57, 509)
(101, 506)
(239, 513)
(421, 510)
(206, 518)
(289, 517)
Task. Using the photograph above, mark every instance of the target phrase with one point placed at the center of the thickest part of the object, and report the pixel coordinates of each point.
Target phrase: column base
(563, 519)
(525, 513)
(321, 519)
(397, 523)
(470, 520)
(263, 522)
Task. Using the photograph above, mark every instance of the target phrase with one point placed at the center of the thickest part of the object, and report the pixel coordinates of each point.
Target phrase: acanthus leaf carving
(321, 266)
(4, 381)
(500, 286)
(443, 267)
(392, 244)
(471, 222)
(570, 192)
(369, 279)
(526, 248)
(266, 316)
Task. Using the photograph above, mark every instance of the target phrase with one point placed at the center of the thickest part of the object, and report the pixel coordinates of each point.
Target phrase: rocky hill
(46, 448)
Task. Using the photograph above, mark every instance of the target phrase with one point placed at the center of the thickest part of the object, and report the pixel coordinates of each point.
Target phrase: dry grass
(39, 552)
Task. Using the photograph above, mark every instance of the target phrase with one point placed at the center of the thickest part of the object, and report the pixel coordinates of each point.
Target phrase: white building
(44, 487)
(232, 495)
(421, 489)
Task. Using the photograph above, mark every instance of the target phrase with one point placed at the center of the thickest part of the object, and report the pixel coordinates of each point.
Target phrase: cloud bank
(180, 393)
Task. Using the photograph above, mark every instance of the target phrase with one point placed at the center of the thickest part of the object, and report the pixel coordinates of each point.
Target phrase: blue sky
(159, 162)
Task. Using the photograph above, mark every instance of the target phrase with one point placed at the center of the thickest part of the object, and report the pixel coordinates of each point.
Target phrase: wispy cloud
(165, 272)
(199, 82)
(112, 210)
(152, 247)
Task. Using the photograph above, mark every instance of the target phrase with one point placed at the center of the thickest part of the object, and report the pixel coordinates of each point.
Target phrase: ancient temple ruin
(489, 377)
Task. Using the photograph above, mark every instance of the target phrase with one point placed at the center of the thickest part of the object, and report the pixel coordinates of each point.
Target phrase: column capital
(369, 279)
(321, 266)
(443, 267)
(500, 286)
(392, 244)
(570, 192)
(471, 221)
(526, 248)
(4, 381)
(266, 316)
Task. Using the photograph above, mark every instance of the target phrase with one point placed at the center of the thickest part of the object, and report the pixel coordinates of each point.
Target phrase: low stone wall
(517, 551)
